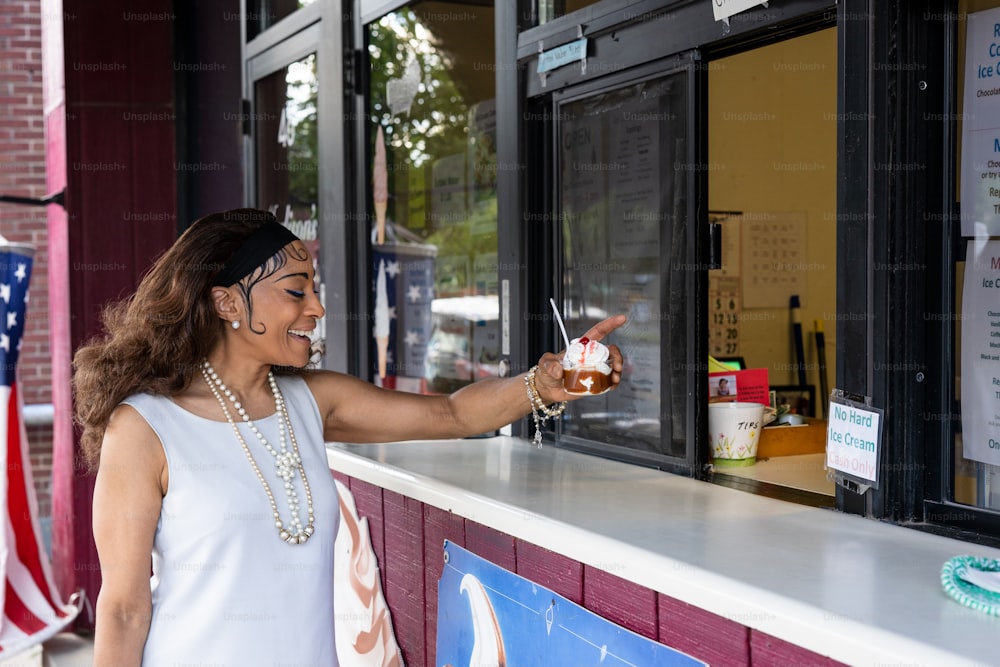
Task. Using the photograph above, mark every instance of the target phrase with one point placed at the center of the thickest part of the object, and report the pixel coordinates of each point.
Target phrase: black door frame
(314, 29)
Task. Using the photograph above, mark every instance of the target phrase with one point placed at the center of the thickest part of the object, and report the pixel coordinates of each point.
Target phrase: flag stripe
(19, 614)
(19, 507)
(31, 596)
(13, 639)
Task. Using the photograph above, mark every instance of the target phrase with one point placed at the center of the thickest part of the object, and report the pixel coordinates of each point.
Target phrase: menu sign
(981, 353)
(980, 132)
(634, 178)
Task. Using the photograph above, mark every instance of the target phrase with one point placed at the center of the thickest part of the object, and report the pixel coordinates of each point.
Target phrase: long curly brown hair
(155, 340)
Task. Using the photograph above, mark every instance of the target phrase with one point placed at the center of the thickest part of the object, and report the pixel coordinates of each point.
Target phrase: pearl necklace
(286, 461)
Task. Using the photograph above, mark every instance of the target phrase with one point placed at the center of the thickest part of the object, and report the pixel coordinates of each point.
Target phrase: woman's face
(285, 308)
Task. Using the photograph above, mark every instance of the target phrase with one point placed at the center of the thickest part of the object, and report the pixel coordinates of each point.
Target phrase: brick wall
(22, 173)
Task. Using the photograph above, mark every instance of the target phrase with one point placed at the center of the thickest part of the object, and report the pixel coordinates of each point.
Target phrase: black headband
(261, 246)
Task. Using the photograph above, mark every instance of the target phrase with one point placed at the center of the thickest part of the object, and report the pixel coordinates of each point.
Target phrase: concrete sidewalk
(63, 650)
(68, 650)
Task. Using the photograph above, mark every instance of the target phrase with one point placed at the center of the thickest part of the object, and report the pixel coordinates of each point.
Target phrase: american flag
(32, 609)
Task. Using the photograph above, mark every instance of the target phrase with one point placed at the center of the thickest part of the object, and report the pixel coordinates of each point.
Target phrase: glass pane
(262, 14)
(546, 10)
(433, 167)
(976, 418)
(623, 209)
(286, 143)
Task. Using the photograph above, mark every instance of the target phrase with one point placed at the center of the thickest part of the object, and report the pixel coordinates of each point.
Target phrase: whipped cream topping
(586, 352)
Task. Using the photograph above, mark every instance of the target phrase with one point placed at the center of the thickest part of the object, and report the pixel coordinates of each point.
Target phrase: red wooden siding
(404, 573)
(438, 527)
(553, 571)
(714, 639)
(368, 499)
(768, 651)
(411, 561)
(494, 546)
(120, 175)
(623, 602)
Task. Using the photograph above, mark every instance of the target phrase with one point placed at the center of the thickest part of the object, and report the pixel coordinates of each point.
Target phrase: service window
(635, 205)
(772, 306)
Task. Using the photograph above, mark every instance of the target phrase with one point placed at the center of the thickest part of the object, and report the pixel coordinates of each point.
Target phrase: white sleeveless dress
(226, 590)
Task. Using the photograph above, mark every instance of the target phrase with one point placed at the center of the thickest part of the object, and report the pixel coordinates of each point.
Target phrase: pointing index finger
(605, 327)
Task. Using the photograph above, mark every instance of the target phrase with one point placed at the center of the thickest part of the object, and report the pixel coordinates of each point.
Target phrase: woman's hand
(549, 378)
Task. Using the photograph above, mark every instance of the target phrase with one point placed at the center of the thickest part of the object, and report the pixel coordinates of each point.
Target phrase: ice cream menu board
(981, 353)
(622, 171)
(634, 180)
(980, 130)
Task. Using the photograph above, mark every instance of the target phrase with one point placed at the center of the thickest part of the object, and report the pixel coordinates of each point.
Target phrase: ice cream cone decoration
(381, 319)
(383, 351)
(380, 207)
(380, 186)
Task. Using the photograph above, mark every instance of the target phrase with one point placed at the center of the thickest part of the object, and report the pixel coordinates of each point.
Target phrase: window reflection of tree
(303, 90)
(445, 51)
(285, 125)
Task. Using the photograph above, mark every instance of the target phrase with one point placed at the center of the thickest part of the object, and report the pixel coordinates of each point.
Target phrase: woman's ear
(226, 305)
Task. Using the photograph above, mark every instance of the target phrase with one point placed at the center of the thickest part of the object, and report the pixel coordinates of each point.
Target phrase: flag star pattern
(409, 283)
(32, 608)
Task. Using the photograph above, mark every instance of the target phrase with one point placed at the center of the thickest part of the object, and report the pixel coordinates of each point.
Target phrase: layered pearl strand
(286, 461)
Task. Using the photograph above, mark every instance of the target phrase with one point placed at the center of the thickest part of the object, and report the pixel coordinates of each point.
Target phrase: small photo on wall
(721, 388)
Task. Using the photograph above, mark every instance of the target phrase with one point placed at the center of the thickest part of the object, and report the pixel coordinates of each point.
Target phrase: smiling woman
(209, 440)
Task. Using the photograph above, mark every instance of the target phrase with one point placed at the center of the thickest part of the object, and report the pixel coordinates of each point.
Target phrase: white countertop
(805, 472)
(859, 591)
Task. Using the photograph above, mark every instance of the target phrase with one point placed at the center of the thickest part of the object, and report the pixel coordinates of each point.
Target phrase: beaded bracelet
(539, 411)
(957, 584)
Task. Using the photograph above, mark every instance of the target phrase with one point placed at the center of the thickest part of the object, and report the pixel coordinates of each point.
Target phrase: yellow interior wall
(772, 148)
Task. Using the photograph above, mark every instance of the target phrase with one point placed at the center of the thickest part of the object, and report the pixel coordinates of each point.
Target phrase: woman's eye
(295, 293)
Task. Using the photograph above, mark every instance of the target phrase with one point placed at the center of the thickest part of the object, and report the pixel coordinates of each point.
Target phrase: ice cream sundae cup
(586, 371)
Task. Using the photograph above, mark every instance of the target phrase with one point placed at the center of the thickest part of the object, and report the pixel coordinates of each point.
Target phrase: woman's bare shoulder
(127, 422)
(130, 443)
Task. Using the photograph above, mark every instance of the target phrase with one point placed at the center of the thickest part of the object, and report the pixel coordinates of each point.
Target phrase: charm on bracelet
(540, 412)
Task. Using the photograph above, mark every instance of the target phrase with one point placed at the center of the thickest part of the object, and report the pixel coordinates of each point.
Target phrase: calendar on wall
(724, 289)
(724, 316)
(774, 258)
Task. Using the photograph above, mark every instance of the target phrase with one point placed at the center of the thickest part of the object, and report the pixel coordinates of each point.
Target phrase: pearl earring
(236, 324)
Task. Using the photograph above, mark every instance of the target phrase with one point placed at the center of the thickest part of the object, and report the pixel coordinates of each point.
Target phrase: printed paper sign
(563, 55)
(853, 439)
(748, 385)
(980, 130)
(723, 9)
(980, 320)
